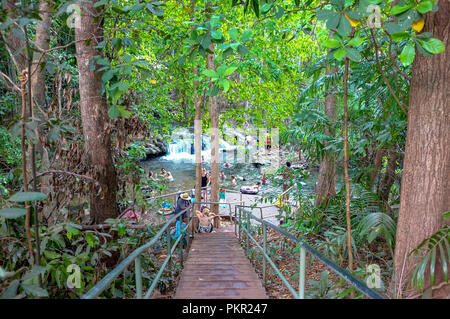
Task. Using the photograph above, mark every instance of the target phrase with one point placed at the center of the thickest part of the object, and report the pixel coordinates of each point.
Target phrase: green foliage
(271, 70)
(12, 212)
(63, 245)
(21, 197)
(427, 250)
(308, 131)
(326, 289)
(8, 104)
(10, 155)
(378, 224)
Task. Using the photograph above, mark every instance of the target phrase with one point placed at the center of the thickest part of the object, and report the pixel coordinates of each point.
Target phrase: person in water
(169, 177)
(222, 176)
(242, 178)
(151, 176)
(163, 172)
(233, 180)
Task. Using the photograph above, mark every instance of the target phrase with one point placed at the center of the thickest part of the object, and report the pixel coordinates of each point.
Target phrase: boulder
(155, 146)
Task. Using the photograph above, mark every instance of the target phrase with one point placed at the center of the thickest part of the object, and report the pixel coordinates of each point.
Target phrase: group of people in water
(163, 173)
(206, 178)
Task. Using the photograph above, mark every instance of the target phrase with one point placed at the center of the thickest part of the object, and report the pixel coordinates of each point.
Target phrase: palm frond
(439, 240)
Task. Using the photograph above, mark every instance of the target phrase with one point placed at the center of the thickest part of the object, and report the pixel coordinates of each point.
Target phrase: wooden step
(216, 268)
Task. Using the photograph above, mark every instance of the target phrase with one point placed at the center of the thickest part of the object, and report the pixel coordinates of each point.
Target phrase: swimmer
(169, 177)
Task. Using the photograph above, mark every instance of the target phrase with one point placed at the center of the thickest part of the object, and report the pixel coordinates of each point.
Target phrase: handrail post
(247, 238)
(181, 253)
(138, 274)
(235, 221)
(181, 240)
(240, 225)
(189, 225)
(265, 252)
(169, 248)
(301, 275)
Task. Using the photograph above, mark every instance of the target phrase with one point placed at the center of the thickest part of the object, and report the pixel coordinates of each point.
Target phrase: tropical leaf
(378, 224)
(438, 242)
(12, 212)
(27, 196)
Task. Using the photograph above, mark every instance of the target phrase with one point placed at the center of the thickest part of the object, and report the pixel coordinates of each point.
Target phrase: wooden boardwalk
(217, 268)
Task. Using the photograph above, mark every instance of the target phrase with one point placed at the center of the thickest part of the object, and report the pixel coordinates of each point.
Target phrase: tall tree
(326, 184)
(386, 182)
(197, 129)
(425, 181)
(42, 42)
(14, 42)
(214, 112)
(93, 107)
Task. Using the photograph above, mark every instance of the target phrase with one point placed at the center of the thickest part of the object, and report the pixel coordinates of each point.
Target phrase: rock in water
(155, 146)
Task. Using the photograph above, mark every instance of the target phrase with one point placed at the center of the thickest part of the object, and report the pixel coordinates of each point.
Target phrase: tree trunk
(378, 160)
(38, 82)
(425, 193)
(42, 42)
(214, 141)
(15, 45)
(347, 178)
(388, 177)
(326, 184)
(198, 144)
(197, 135)
(93, 107)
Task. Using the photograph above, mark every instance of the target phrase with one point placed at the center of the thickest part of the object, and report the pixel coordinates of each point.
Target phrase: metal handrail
(135, 256)
(304, 247)
(231, 190)
(188, 190)
(167, 195)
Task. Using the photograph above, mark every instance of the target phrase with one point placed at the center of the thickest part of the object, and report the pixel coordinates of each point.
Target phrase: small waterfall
(182, 147)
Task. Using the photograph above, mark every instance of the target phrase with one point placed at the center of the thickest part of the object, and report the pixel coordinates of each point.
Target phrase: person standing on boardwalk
(183, 202)
(205, 183)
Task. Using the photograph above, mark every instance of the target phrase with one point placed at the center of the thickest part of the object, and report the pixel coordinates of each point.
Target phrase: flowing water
(180, 161)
